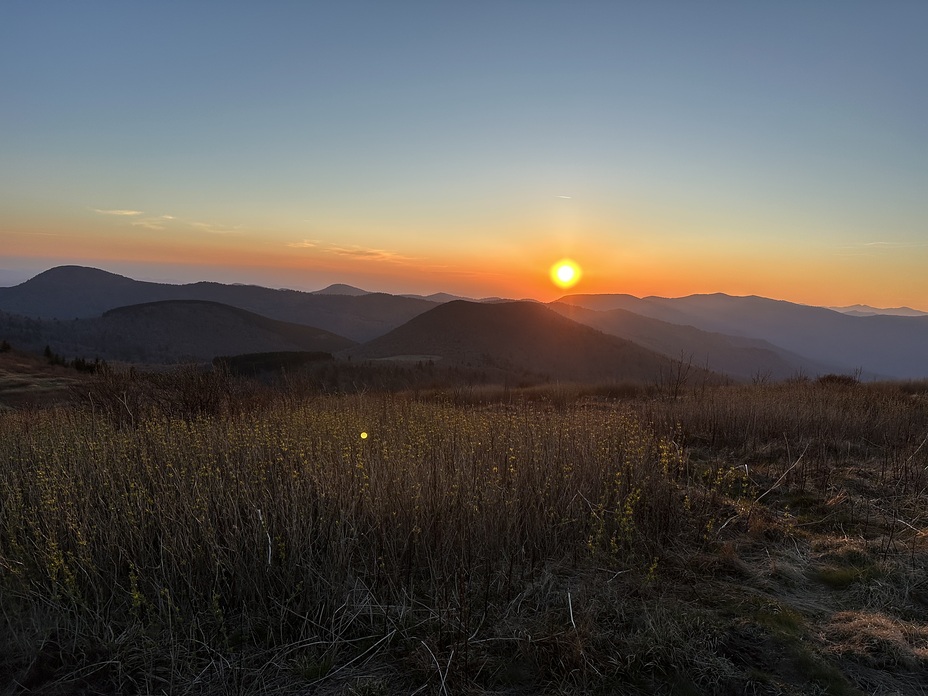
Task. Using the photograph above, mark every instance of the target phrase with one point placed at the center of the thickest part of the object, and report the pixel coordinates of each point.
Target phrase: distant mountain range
(75, 292)
(740, 357)
(860, 310)
(87, 312)
(878, 345)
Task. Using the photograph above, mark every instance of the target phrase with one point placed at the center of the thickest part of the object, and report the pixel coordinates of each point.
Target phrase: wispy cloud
(354, 251)
(159, 222)
(369, 254)
(149, 223)
(119, 212)
(894, 245)
(212, 228)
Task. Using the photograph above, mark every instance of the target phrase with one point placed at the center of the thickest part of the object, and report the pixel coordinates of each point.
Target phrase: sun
(565, 273)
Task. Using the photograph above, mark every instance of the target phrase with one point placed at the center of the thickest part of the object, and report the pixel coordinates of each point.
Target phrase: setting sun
(565, 273)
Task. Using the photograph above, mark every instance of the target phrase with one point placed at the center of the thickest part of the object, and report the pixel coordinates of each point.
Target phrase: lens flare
(565, 273)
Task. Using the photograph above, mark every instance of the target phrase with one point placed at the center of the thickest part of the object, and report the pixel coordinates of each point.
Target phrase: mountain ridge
(80, 292)
(168, 331)
(862, 310)
(520, 336)
(740, 357)
(738, 335)
(892, 346)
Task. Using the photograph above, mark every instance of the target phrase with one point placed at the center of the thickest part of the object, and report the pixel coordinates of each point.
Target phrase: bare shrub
(836, 380)
(127, 396)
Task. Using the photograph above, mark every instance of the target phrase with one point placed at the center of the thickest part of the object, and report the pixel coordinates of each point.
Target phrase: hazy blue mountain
(70, 292)
(740, 357)
(860, 310)
(341, 289)
(883, 345)
(439, 297)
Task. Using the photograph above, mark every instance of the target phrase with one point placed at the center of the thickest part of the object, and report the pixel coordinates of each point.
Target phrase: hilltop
(169, 331)
(77, 292)
(518, 336)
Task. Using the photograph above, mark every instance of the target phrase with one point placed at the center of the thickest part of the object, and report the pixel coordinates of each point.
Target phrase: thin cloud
(895, 245)
(214, 229)
(149, 223)
(158, 222)
(864, 247)
(568, 197)
(369, 254)
(119, 212)
(355, 251)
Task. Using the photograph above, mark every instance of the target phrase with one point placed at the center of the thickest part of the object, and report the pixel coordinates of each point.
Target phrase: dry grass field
(188, 533)
(27, 380)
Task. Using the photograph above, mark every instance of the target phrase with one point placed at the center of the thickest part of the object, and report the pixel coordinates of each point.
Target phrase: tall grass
(288, 519)
(146, 544)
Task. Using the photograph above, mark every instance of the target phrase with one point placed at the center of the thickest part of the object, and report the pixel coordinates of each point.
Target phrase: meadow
(197, 533)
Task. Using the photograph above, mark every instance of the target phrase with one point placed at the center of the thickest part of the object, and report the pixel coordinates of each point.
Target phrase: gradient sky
(670, 148)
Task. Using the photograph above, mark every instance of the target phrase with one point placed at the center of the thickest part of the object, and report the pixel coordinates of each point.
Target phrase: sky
(668, 148)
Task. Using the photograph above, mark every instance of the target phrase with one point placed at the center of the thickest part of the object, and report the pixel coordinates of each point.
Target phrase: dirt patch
(28, 381)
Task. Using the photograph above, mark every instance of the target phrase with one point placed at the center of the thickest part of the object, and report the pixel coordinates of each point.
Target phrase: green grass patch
(781, 621)
(841, 577)
(825, 675)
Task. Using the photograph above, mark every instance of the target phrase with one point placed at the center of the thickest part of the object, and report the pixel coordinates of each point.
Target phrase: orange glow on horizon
(499, 267)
